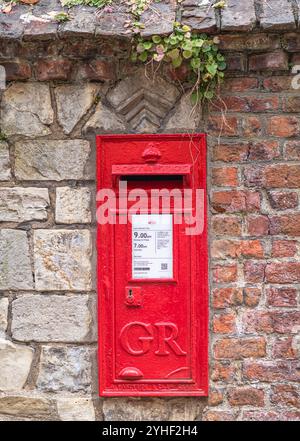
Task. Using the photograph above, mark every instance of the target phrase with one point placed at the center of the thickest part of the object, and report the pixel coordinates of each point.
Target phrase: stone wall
(60, 94)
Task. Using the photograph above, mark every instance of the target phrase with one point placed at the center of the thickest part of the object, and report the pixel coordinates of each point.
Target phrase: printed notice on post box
(152, 246)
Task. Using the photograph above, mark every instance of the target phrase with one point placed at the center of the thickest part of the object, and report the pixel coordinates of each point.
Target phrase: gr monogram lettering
(165, 333)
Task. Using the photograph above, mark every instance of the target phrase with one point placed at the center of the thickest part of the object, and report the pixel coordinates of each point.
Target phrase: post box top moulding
(38, 22)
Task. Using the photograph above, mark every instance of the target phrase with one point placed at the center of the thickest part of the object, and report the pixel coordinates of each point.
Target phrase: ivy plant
(182, 47)
(96, 3)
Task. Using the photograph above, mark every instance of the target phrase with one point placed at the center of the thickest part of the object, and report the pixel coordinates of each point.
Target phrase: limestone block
(105, 120)
(23, 204)
(26, 110)
(62, 260)
(15, 268)
(51, 318)
(3, 314)
(27, 407)
(5, 174)
(73, 205)
(75, 409)
(15, 363)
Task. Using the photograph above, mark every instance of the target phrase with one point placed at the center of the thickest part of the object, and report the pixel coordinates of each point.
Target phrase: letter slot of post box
(152, 265)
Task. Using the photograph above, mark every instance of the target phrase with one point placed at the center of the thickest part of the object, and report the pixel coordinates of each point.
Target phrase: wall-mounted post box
(152, 265)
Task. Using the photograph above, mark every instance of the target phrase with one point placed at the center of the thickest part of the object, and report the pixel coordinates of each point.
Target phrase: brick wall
(60, 94)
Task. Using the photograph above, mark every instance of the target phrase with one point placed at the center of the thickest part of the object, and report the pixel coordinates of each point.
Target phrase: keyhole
(130, 293)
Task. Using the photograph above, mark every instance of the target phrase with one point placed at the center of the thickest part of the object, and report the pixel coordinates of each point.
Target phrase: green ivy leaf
(187, 54)
(177, 61)
(143, 56)
(147, 45)
(195, 63)
(222, 66)
(212, 69)
(156, 39)
(173, 54)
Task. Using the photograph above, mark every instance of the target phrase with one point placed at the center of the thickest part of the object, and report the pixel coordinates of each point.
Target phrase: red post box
(152, 265)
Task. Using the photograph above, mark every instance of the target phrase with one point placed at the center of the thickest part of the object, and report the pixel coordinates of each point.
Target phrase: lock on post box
(152, 265)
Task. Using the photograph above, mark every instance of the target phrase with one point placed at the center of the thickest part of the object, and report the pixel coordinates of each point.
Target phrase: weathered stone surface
(23, 406)
(51, 318)
(83, 23)
(238, 16)
(199, 15)
(52, 160)
(65, 369)
(26, 110)
(112, 24)
(23, 204)
(151, 409)
(277, 15)
(72, 103)
(3, 315)
(105, 120)
(4, 162)
(10, 24)
(15, 269)
(164, 25)
(15, 363)
(62, 260)
(73, 205)
(143, 102)
(186, 116)
(75, 409)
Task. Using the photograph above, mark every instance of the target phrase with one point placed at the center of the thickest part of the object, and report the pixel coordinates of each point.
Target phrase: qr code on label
(164, 266)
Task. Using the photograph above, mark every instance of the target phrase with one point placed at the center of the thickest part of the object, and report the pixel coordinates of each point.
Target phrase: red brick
(252, 296)
(218, 415)
(225, 371)
(251, 42)
(270, 371)
(258, 225)
(236, 62)
(224, 297)
(263, 150)
(285, 394)
(283, 126)
(233, 152)
(53, 70)
(282, 297)
(286, 348)
(285, 322)
(254, 272)
(292, 150)
(242, 84)
(278, 84)
(285, 224)
(239, 348)
(262, 104)
(235, 201)
(179, 74)
(264, 416)
(215, 397)
(227, 225)
(225, 273)
(283, 200)
(291, 42)
(284, 248)
(276, 60)
(222, 249)
(251, 126)
(98, 70)
(292, 104)
(246, 396)
(16, 70)
(273, 176)
(217, 126)
(224, 323)
(257, 321)
(225, 177)
(283, 272)
(234, 104)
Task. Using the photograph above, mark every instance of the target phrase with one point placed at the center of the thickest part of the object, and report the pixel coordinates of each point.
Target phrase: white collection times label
(152, 246)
